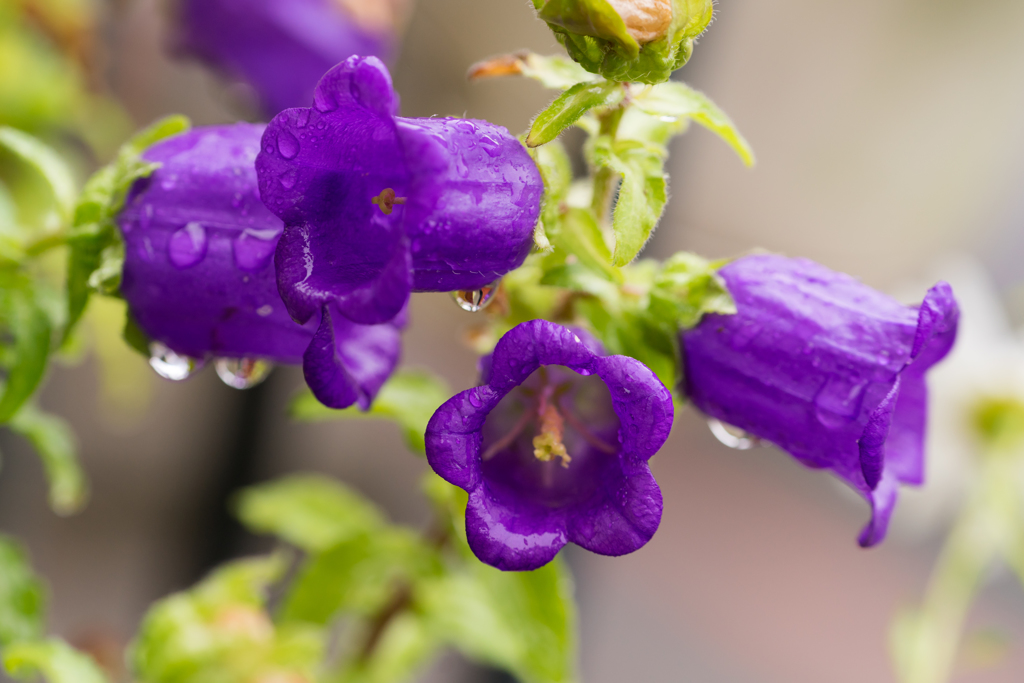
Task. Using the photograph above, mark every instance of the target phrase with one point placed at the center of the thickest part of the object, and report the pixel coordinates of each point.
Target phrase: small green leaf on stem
(22, 595)
(50, 165)
(577, 233)
(570, 106)
(686, 288)
(307, 510)
(674, 100)
(409, 398)
(55, 442)
(29, 324)
(54, 659)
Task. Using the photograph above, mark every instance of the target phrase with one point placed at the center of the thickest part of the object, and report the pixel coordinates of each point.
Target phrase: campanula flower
(627, 40)
(376, 205)
(553, 448)
(199, 272)
(282, 47)
(825, 368)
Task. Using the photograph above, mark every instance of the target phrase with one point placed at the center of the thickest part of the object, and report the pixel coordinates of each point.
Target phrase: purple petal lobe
(554, 447)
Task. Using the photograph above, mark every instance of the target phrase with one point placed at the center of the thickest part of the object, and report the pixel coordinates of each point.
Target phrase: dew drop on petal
(242, 373)
(474, 300)
(264, 310)
(288, 179)
(287, 145)
(187, 246)
(170, 365)
(302, 118)
(253, 249)
(730, 436)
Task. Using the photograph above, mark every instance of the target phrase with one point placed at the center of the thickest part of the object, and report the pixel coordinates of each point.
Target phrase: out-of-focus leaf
(570, 106)
(30, 327)
(633, 333)
(49, 164)
(219, 632)
(55, 442)
(403, 649)
(577, 233)
(579, 278)
(556, 171)
(677, 100)
(94, 238)
(409, 398)
(523, 622)
(358, 576)
(54, 659)
(687, 287)
(307, 510)
(22, 595)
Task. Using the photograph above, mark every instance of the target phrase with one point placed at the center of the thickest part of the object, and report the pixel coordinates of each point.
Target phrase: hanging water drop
(474, 300)
(731, 436)
(187, 246)
(170, 365)
(243, 373)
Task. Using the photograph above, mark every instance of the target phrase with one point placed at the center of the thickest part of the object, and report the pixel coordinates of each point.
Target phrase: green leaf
(95, 240)
(403, 649)
(54, 441)
(633, 333)
(30, 326)
(524, 622)
(577, 233)
(687, 287)
(409, 398)
(556, 172)
(358, 576)
(22, 595)
(570, 106)
(220, 632)
(555, 72)
(49, 164)
(307, 510)
(54, 659)
(677, 100)
(642, 197)
(579, 278)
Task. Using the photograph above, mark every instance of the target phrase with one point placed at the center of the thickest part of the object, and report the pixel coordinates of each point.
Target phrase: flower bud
(627, 40)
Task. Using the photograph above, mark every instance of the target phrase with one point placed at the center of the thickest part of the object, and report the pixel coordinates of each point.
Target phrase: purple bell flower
(199, 275)
(825, 368)
(553, 448)
(376, 205)
(283, 47)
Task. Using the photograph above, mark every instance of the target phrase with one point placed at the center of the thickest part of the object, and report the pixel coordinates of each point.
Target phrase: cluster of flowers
(300, 242)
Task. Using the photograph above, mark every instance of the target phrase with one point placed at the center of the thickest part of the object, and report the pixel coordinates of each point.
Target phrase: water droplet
(287, 145)
(288, 180)
(474, 300)
(243, 373)
(490, 145)
(188, 245)
(253, 249)
(264, 310)
(302, 118)
(170, 365)
(146, 217)
(732, 437)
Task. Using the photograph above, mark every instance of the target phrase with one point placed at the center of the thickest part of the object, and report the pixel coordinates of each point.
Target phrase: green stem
(927, 641)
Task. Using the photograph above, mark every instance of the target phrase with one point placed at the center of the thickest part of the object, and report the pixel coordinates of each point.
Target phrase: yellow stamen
(548, 444)
(386, 201)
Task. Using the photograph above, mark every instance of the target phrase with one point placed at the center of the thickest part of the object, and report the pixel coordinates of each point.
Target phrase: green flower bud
(627, 40)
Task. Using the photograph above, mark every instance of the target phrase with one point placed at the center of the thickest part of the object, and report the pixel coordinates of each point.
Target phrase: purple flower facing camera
(825, 368)
(553, 448)
(199, 273)
(376, 206)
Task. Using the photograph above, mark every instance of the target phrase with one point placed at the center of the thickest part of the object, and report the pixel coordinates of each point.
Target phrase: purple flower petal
(824, 367)
(198, 273)
(611, 414)
(280, 47)
(466, 199)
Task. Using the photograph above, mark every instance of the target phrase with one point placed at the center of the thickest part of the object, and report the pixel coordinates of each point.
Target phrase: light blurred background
(889, 135)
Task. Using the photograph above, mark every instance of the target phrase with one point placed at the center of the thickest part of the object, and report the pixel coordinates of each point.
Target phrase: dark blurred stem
(605, 179)
(220, 535)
